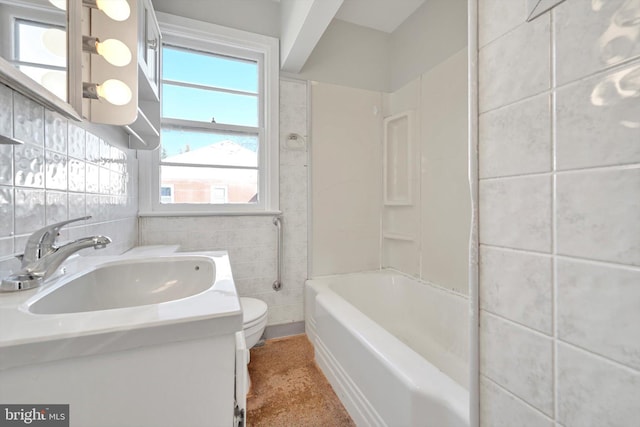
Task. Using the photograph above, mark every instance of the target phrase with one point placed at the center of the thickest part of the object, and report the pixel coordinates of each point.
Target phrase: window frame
(207, 37)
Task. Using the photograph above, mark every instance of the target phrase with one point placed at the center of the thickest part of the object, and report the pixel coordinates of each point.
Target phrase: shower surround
(559, 165)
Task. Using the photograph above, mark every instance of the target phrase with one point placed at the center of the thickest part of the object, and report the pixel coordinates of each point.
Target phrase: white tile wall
(505, 349)
(499, 408)
(44, 180)
(511, 13)
(591, 36)
(559, 203)
(516, 139)
(517, 285)
(597, 120)
(251, 240)
(6, 110)
(508, 72)
(516, 212)
(594, 392)
(6, 162)
(597, 309)
(55, 132)
(602, 222)
(28, 120)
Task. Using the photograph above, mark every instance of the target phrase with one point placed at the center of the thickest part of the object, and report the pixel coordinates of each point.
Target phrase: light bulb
(55, 40)
(56, 82)
(114, 91)
(114, 52)
(118, 10)
(60, 4)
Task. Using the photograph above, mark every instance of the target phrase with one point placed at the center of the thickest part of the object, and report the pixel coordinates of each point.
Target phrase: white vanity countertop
(27, 338)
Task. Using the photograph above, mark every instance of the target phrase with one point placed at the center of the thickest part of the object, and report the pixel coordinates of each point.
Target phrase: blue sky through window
(204, 105)
(210, 70)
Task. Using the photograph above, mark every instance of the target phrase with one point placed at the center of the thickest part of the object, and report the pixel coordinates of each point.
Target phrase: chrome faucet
(42, 257)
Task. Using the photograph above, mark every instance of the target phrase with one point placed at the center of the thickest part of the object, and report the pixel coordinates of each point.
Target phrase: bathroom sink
(127, 283)
(125, 326)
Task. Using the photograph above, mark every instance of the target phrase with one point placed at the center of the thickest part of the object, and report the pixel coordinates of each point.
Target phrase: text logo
(34, 415)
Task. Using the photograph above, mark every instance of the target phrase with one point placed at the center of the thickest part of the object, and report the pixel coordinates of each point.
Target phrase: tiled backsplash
(559, 201)
(61, 172)
(251, 240)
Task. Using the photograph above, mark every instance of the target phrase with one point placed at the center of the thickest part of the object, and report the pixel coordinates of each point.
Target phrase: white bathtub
(394, 349)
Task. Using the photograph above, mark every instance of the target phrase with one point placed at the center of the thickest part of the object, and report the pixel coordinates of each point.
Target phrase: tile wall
(61, 172)
(559, 214)
(251, 240)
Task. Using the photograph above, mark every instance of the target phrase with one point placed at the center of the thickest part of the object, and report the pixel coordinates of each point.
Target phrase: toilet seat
(254, 319)
(253, 311)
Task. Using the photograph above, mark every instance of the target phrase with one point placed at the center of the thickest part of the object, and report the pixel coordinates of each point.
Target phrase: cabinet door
(152, 56)
(149, 44)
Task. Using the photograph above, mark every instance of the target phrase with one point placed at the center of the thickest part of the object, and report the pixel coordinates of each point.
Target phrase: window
(219, 121)
(210, 127)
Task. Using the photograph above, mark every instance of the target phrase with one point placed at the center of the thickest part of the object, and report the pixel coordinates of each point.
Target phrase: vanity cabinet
(144, 133)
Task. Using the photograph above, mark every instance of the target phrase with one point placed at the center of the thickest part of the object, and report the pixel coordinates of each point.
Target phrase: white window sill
(202, 213)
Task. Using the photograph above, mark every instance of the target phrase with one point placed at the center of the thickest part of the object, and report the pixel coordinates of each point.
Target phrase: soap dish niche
(397, 155)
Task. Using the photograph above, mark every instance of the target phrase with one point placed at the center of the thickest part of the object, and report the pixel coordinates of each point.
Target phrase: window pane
(41, 44)
(210, 70)
(209, 148)
(208, 106)
(209, 185)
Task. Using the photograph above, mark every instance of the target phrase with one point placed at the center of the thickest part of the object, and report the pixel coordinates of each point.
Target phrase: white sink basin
(128, 283)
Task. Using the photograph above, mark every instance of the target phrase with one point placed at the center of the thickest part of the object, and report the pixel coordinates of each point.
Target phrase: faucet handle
(41, 242)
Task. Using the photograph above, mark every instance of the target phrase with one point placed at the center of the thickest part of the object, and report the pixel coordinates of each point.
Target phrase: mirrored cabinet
(149, 43)
(33, 52)
(94, 60)
(144, 132)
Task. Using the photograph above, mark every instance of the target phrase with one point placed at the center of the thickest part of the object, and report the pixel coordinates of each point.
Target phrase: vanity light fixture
(114, 91)
(118, 10)
(60, 4)
(104, 35)
(112, 50)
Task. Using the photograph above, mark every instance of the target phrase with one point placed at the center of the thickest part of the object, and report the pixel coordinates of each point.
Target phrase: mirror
(33, 51)
(536, 8)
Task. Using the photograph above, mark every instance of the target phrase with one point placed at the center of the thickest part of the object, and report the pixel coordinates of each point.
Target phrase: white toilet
(254, 319)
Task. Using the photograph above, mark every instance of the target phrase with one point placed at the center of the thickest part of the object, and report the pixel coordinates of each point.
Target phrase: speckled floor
(289, 390)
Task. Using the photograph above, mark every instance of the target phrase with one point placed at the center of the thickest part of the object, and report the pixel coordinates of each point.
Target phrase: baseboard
(283, 330)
